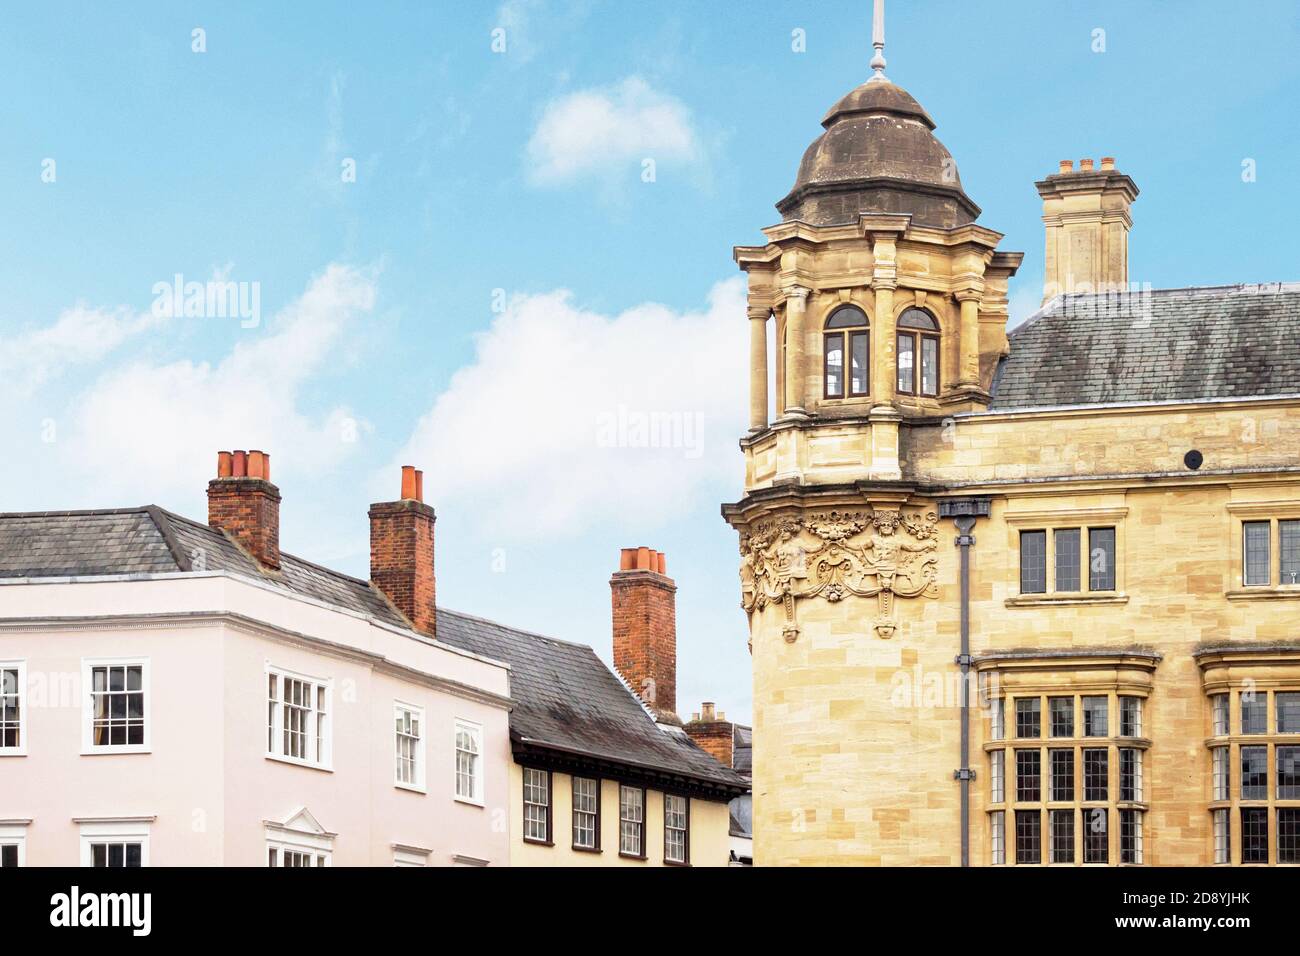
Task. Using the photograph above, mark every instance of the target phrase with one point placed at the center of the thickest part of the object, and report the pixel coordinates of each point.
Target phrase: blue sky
(499, 288)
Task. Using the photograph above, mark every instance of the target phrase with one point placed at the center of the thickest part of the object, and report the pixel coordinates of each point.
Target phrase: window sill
(586, 849)
(111, 751)
(536, 842)
(633, 856)
(411, 788)
(15, 752)
(470, 802)
(1264, 592)
(321, 768)
(678, 863)
(1068, 600)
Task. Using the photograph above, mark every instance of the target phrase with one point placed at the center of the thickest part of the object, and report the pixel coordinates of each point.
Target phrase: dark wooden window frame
(846, 335)
(687, 848)
(918, 336)
(644, 809)
(573, 810)
(550, 807)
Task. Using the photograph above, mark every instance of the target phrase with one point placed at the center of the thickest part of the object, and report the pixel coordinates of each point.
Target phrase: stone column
(758, 316)
(883, 282)
(796, 299)
(970, 337)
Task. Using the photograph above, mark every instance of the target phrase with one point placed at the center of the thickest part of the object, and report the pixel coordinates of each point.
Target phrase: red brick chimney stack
(645, 629)
(713, 733)
(401, 552)
(244, 504)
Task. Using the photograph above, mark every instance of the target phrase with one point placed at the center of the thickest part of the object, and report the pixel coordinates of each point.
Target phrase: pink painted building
(174, 693)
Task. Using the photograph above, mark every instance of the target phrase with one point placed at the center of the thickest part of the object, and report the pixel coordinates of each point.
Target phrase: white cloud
(80, 336)
(167, 421)
(609, 132)
(553, 426)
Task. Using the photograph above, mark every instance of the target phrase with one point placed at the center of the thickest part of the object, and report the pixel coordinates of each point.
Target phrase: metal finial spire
(878, 41)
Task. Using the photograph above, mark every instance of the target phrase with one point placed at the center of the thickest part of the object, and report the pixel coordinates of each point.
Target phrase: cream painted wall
(708, 833)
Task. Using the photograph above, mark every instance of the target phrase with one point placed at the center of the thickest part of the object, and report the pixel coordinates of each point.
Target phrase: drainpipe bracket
(964, 540)
(964, 774)
(963, 660)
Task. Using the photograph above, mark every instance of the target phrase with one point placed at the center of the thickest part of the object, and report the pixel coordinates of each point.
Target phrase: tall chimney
(1086, 212)
(713, 733)
(401, 552)
(244, 504)
(645, 629)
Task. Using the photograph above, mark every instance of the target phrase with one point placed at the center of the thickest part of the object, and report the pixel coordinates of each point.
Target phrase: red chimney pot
(401, 553)
(645, 629)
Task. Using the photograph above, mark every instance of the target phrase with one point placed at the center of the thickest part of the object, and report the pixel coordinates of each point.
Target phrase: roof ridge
(1250, 288)
(162, 521)
(76, 513)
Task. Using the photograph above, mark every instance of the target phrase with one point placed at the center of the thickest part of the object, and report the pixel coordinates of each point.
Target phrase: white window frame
(475, 730)
(405, 855)
(417, 783)
(21, 749)
(88, 745)
(583, 815)
(322, 761)
(309, 838)
(14, 833)
(997, 838)
(537, 783)
(114, 830)
(641, 793)
(684, 829)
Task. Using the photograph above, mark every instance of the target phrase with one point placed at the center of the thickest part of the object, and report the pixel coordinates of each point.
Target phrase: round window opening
(1193, 459)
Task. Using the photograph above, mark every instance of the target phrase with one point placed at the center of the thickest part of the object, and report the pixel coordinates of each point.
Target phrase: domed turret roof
(879, 154)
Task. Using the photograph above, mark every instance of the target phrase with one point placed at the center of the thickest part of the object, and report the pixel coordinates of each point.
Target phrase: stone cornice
(1065, 658)
(248, 625)
(247, 581)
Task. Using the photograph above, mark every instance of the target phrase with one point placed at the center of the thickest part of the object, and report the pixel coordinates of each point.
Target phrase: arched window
(918, 353)
(846, 335)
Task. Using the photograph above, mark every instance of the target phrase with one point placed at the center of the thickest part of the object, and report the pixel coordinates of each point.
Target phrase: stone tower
(1014, 598)
(884, 304)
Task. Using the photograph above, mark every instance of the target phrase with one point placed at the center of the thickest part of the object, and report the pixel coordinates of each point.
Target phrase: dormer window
(918, 353)
(845, 342)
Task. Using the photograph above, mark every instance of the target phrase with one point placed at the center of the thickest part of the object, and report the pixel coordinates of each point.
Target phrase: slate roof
(149, 540)
(567, 700)
(1235, 341)
(742, 750)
